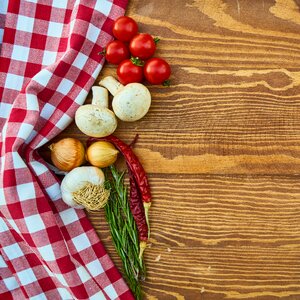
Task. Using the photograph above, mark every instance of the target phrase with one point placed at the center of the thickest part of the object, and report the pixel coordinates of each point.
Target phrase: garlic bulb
(83, 187)
(67, 154)
(101, 154)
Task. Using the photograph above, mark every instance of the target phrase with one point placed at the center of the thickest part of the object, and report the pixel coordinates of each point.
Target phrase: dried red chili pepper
(138, 212)
(139, 184)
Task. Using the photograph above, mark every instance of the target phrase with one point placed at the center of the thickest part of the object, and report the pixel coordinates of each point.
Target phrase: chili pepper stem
(146, 208)
(134, 141)
(143, 246)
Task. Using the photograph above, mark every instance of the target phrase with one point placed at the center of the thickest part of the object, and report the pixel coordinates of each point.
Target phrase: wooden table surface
(222, 149)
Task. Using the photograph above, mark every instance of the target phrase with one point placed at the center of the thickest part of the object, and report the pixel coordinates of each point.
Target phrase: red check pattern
(49, 61)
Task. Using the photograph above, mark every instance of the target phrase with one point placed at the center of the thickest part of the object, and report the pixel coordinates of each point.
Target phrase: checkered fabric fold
(49, 61)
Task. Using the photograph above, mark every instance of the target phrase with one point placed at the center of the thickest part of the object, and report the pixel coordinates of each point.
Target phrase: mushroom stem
(100, 96)
(111, 84)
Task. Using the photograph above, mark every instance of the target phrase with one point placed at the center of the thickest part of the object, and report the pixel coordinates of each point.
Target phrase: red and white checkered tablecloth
(49, 61)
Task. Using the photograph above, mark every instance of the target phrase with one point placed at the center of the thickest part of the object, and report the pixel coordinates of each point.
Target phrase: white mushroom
(96, 119)
(130, 102)
(100, 96)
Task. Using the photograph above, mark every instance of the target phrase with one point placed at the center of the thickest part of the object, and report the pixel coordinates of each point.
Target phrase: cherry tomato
(142, 46)
(157, 70)
(129, 72)
(125, 28)
(116, 51)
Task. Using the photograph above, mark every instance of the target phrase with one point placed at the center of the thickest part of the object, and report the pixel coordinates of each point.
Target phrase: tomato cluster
(132, 52)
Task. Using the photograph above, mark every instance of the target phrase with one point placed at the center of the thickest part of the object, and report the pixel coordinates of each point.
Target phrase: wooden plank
(233, 106)
(221, 237)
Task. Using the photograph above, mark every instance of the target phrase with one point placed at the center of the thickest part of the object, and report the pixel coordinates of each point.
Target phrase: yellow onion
(101, 154)
(67, 154)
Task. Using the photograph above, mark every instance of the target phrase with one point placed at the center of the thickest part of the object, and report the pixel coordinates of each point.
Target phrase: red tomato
(157, 70)
(116, 51)
(128, 72)
(142, 46)
(125, 28)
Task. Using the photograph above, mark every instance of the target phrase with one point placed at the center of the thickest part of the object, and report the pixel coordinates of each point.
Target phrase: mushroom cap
(95, 120)
(132, 102)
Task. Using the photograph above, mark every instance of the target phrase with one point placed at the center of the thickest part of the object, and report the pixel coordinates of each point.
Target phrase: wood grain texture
(221, 237)
(233, 106)
(222, 149)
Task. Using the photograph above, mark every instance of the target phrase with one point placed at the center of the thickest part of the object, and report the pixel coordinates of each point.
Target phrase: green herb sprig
(124, 231)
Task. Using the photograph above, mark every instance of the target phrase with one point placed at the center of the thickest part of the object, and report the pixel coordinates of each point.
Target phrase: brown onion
(67, 154)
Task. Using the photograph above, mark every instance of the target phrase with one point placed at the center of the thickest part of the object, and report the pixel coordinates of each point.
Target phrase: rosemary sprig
(124, 231)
